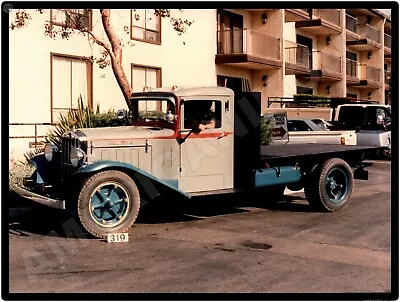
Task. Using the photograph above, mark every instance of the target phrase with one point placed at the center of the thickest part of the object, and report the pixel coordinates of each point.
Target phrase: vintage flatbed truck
(105, 175)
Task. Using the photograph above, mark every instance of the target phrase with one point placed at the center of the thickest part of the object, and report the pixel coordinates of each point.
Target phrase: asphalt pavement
(225, 244)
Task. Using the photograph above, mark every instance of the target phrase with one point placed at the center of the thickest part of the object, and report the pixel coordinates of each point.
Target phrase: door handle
(223, 134)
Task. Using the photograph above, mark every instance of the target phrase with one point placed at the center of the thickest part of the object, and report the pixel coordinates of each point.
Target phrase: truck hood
(124, 133)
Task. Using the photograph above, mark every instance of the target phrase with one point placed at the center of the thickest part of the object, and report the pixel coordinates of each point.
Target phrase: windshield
(152, 111)
(373, 112)
(364, 117)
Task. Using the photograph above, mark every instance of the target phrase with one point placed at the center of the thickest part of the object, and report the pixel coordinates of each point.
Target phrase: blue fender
(39, 161)
(150, 184)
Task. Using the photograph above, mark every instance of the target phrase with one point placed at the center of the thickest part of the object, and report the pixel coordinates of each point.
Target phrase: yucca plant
(75, 118)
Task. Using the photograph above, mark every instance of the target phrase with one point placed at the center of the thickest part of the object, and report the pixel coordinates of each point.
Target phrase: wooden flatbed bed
(286, 154)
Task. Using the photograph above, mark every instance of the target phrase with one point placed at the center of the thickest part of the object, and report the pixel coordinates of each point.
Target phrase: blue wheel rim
(109, 204)
(336, 185)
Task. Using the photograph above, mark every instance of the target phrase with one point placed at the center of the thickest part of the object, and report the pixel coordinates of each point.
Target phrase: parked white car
(303, 130)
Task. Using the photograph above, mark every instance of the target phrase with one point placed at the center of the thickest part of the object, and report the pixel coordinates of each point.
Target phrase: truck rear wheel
(330, 185)
(108, 203)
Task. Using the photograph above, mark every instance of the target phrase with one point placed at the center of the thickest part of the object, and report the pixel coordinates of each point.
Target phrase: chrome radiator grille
(67, 143)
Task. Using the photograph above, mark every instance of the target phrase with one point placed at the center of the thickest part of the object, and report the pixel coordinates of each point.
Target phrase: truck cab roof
(365, 105)
(188, 91)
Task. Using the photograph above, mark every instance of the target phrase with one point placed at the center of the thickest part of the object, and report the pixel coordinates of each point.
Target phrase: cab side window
(201, 112)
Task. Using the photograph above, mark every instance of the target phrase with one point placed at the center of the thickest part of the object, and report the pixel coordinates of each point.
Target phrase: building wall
(186, 60)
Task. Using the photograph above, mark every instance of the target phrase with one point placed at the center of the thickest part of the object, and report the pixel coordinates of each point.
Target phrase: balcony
(387, 42)
(388, 75)
(351, 71)
(369, 77)
(297, 59)
(324, 22)
(248, 49)
(293, 15)
(351, 28)
(368, 40)
(325, 67)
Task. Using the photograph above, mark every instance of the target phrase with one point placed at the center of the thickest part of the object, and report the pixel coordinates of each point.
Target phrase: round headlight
(49, 149)
(76, 156)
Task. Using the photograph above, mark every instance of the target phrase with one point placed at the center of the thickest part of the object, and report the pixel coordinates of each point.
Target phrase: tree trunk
(116, 55)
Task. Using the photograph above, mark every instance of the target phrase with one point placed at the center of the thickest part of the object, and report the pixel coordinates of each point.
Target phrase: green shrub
(303, 96)
(109, 119)
(266, 130)
(323, 101)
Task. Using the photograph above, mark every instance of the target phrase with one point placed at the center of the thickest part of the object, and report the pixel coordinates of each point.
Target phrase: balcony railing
(298, 55)
(244, 41)
(369, 73)
(387, 41)
(327, 62)
(26, 131)
(387, 77)
(351, 23)
(306, 10)
(369, 32)
(351, 68)
(329, 15)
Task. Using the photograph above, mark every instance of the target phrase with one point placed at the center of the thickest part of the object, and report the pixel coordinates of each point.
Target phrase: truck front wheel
(330, 185)
(108, 203)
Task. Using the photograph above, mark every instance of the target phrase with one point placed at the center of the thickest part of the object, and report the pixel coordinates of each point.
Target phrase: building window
(145, 76)
(71, 77)
(304, 90)
(73, 18)
(236, 84)
(145, 26)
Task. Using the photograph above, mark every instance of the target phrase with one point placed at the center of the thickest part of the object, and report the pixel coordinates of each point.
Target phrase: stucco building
(279, 52)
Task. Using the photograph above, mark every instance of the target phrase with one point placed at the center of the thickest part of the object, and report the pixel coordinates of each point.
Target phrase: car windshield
(152, 110)
(373, 112)
(321, 124)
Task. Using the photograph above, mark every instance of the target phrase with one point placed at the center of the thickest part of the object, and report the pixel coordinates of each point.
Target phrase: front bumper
(54, 203)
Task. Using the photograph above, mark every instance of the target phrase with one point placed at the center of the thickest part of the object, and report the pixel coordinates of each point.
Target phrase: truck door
(206, 157)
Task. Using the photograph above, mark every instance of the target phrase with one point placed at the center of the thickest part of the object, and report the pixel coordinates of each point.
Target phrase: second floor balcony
(388, 75)
(351, 71)
(326, 65)
(323, 22)
(297, 59)
(387, 42)
(368, 77)
(249, 48)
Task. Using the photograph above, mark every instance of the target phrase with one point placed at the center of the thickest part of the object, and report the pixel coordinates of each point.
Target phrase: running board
(216, 192)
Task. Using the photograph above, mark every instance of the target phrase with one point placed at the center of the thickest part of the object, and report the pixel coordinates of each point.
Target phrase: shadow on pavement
(43, 220)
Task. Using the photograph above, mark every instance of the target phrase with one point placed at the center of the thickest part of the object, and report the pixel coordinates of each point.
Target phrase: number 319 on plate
(121, 237)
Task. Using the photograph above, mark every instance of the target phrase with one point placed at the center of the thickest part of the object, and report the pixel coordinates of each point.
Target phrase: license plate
(121, 237)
